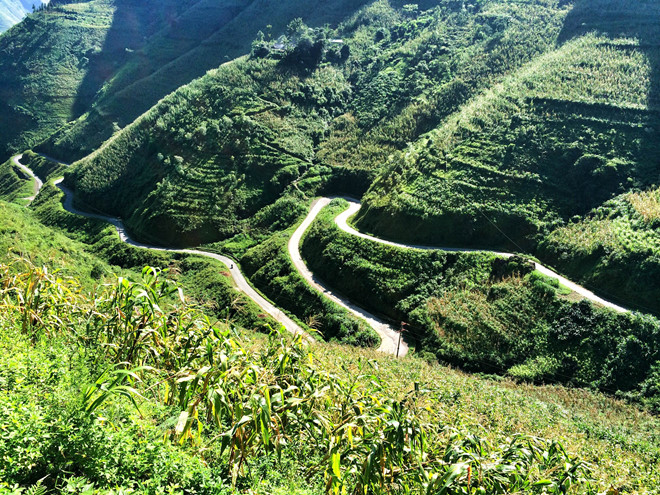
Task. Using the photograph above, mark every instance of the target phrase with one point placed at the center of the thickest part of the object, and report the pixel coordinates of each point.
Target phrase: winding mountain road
(389, 334)
(354, 206)
(38, 183)
(239, 279)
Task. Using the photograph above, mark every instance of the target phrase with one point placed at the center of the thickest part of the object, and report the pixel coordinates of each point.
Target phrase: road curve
(389, 334)
(38, 183)
(354, 206)
(241, 283)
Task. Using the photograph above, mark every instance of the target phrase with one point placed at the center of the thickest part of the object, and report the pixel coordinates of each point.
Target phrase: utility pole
(403, 329)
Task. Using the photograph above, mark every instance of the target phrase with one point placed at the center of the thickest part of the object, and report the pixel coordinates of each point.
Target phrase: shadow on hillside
(132, 23)
(638, 20)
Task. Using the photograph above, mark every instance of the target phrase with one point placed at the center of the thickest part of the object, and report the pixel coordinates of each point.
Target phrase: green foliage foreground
(212, 408)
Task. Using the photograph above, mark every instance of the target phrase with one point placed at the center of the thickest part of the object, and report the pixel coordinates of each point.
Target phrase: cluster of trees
(301, 47)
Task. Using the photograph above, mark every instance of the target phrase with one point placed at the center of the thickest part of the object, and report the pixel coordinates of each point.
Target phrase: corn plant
(254, 403)
(46, 304)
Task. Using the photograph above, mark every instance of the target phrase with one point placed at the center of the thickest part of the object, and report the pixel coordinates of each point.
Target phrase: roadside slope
(241, 283)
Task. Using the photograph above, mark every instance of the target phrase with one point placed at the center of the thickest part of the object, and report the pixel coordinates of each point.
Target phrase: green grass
(487, 314)
(521, 114)
(274, 417)
(23, 236)
(561, 289)
(15, 186)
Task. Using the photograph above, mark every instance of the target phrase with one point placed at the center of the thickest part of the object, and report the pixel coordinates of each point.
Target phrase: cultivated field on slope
(157, 414)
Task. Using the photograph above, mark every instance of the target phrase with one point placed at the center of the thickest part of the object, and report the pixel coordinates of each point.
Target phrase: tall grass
(258, 402)
(646, 204)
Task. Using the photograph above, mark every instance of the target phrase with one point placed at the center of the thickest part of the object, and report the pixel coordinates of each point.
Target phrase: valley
(360, 247)
(387, 332)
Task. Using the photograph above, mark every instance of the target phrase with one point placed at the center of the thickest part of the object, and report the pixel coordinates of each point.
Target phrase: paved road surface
(388, 333)
(241, 283)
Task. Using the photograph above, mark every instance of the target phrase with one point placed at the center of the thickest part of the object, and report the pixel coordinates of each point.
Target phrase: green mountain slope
(56, 60)
(201, 38)
(558, 138)
(253, 134)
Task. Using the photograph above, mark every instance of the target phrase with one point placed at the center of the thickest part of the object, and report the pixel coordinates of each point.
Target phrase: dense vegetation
(205, 160)
(485, 313)
(133, 390)
(556, 139)
(616, 247)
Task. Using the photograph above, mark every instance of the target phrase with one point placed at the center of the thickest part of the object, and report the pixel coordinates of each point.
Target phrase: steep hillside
(555, 140)
(54, 62)
(129, 390)
(252, 135)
